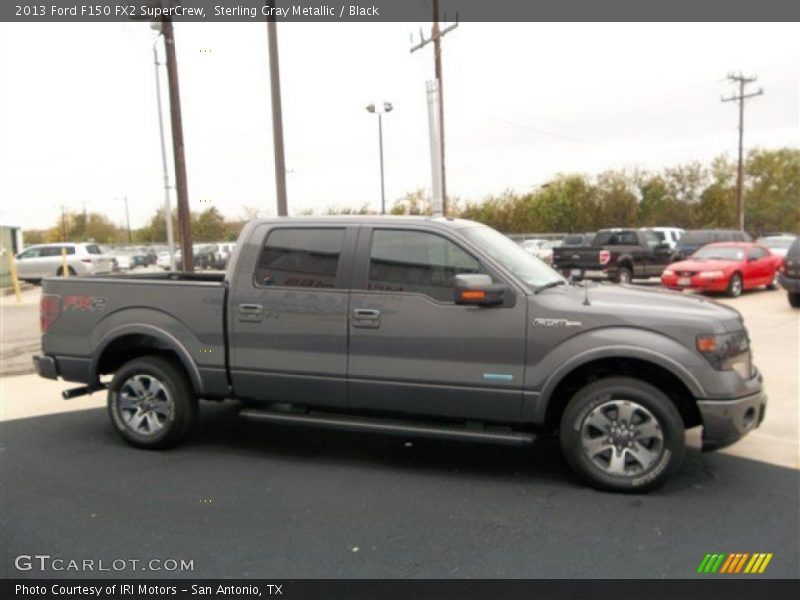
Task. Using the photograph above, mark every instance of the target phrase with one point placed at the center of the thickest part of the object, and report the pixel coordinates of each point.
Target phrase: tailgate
(576, 258)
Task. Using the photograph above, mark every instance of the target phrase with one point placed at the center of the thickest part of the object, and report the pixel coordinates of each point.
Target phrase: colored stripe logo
(738, 562)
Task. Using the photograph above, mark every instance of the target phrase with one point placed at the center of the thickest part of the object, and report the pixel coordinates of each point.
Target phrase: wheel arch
(127, 342)
(637, 363)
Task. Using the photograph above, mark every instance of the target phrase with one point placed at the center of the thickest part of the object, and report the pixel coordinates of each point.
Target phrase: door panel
(288, 321)
(413, 351)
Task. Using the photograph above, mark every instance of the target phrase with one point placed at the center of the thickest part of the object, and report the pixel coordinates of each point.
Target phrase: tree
(208, 226)
(617, 205)
(92, 227)
(413, 203)
(772, 190)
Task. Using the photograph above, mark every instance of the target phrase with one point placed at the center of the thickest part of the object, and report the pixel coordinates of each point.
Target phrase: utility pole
(277, 114)
(63, 224)
(742, 81)
(184, 218)
(436, 37)
(167, 203)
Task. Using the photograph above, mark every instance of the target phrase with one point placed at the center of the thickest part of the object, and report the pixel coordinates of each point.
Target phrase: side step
(409, 428)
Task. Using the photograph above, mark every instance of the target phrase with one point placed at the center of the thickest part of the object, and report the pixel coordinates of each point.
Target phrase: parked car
(541, 249)
(163, 261)
(45, 260)
(413, 326)
(693, 240)
(668, 235)
(727, 267)
(620, 255)
(778, 244)
(789, 273)
(124, 258)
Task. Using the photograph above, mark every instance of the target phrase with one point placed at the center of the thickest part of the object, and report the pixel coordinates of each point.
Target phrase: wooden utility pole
(277, 115)
(181, 187)
(436, 37)
(742, 81)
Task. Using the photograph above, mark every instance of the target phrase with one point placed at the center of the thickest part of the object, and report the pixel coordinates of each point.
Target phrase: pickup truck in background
(620, 255)
(412, 326)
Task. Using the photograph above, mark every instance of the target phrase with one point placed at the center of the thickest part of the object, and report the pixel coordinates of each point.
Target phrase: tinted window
(93, 249)
(301, 258)
(660, 235)
(30, 253)
(414, 261)
(55, 250)
(573, 240)
(653, 239)
(616, 238)
(794, 251)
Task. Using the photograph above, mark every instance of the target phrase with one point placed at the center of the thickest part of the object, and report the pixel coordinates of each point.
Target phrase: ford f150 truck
(620, 255)
(412, 326)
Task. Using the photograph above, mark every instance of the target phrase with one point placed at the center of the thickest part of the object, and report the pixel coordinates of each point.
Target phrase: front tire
(623, 435)
(794, 299)
(735, 286)
(151, 403)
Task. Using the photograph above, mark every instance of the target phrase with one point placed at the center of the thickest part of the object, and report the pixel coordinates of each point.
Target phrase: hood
(655, 309)
(703, 265)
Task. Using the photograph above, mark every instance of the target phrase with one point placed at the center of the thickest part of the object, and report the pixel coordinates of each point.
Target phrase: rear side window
(616, 238)
(93, 249)
(307, 258)
(416, 261)
(55, 250)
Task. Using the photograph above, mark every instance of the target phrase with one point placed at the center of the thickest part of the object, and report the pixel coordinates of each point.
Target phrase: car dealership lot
(245, 500)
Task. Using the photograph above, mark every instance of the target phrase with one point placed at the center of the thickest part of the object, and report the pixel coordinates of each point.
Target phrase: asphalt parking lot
(242, 499)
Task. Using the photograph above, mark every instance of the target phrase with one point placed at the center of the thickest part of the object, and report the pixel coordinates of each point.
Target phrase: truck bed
(181, 311)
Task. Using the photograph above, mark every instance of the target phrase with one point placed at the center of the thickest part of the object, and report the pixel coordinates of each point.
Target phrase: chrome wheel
(144, 404)
(735, 287)
(622, 437)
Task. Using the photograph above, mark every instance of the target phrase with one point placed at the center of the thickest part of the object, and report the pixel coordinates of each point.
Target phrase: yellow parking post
(12, 268)
(64, 269)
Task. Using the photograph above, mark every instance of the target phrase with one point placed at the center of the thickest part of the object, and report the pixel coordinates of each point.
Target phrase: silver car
(46, 260)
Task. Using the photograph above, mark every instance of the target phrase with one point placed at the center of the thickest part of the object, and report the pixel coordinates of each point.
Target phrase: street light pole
(387, 107)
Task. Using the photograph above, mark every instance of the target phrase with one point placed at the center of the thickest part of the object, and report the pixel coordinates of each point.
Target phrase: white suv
(668, 235)
(45, 260)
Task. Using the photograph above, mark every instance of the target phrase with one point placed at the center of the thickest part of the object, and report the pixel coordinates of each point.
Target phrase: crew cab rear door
(412, 349)
(288, 314)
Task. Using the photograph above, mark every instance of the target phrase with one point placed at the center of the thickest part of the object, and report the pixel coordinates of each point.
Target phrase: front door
(288, 315)
(412, 349)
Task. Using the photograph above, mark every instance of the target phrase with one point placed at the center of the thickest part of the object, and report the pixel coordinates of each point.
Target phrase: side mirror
(478, 290)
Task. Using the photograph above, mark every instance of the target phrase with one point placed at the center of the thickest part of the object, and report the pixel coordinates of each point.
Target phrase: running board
(349, 423)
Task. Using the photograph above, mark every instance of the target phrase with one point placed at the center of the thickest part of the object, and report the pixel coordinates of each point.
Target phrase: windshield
(777, 242)
(524, 265)
(720, 253)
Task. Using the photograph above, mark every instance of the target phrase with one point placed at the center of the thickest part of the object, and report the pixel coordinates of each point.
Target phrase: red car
(729, 267)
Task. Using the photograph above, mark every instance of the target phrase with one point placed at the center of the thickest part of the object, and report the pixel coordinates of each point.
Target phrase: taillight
(49, 311)
(86, 260)
(782, 267)
(605, 256)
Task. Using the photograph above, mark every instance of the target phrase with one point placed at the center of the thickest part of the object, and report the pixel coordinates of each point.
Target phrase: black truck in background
(619, 255)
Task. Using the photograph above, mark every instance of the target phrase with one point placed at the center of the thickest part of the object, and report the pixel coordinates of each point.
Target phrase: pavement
(243, 499)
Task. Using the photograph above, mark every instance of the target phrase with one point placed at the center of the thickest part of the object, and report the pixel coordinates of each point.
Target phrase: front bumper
(727, 421)
(701, 284)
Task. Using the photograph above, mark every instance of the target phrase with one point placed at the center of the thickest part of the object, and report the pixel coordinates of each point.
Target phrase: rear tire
(774, 285)
(735, 286)
(151, 403)
(623, 435)
(794, 299)
(624, 275)
(70, 270)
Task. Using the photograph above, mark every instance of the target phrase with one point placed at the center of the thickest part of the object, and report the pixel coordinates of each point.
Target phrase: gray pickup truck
(413, 326)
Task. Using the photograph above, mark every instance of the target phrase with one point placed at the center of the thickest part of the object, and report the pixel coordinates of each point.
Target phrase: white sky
(522, 103)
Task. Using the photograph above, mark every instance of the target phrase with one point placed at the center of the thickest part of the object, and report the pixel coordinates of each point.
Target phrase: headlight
(668, 272)
(710, 274)
(727, 351)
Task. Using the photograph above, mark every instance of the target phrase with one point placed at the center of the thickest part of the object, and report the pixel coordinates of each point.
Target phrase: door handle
(252, 309)
(367, 314)
(366, 317)
(250, 312)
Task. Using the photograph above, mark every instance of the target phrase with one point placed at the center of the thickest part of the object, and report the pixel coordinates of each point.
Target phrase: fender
(614, 342)
(163, 336)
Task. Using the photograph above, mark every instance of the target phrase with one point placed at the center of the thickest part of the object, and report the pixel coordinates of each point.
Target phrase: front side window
(306, 258)
(55, 250)
(416, 261)
(30, 253)
(758, 253)
(653, 239)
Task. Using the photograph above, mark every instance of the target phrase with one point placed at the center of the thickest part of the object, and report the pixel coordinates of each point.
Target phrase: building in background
(10, 243)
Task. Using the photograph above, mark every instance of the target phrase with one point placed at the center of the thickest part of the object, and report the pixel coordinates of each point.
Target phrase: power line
(741, 81)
